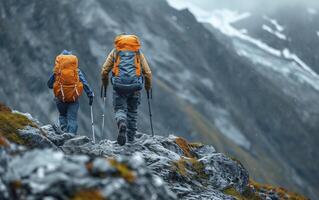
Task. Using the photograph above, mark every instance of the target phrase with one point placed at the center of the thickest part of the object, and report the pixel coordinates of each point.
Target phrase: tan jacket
(109, 64)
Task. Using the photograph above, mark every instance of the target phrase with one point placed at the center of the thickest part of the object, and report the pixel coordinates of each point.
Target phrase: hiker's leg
(62, 108)
(132, 105)
(119, 104)
(72, 117)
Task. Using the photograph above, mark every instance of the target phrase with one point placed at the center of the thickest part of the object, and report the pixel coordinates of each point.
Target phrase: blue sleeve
(51, 81)
(86, 86)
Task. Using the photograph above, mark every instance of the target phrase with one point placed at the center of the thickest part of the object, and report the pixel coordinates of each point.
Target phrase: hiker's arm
(146, 72)
(51, 81)
(86, 86)
(107, 67)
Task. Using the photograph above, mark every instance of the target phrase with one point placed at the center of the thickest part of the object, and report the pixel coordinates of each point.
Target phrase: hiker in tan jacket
(109, 63)
(129, 71)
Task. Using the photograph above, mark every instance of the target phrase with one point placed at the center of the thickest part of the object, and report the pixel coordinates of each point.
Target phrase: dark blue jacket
(86, 86)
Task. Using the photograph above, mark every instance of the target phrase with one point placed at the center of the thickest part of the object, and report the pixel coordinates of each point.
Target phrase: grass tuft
(190, 167)
(246, 195)
(281, 192)
(11, 123)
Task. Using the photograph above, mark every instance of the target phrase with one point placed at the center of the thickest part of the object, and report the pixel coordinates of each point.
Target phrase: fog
(248, 5)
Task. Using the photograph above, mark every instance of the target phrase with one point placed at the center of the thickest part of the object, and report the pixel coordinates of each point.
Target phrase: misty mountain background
(240, 78)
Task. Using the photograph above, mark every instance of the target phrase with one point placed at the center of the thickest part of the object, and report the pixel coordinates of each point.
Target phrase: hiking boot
(121, 138)
(57, 129)
(130, 137)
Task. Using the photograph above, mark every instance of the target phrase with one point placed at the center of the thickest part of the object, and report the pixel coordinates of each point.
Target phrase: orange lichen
(88, 194)
(188, 166)
(3, 142)
(16, 184)
(4, 108)
(89, 166)
(186, 148)
(123, 170)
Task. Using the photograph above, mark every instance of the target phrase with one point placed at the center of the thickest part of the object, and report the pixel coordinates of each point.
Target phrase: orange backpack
(127, 43)
(67, 86)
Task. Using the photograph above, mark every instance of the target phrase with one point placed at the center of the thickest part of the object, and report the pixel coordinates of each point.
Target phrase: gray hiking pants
(125, 108)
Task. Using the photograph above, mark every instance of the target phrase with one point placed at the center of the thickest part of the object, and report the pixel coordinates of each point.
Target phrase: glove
(90, 100)
(105, 81)
(147, 87)
(149, 94)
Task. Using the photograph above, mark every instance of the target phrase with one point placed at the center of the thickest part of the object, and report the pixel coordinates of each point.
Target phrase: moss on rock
(11, 123)
(254, 189)
(246, 195)
(282, 193)
(190, 167)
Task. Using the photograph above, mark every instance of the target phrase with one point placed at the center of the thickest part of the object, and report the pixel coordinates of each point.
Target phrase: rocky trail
(38, 163)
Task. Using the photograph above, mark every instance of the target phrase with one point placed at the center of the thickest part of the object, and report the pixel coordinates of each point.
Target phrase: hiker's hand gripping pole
(149, 96)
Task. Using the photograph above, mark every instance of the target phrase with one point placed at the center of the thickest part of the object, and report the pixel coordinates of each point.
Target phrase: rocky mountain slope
(38, 163)
(221, 90)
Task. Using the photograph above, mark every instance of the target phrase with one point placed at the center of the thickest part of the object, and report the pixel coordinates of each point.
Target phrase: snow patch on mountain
(229, 130)
(288, 55)
(223, 21)
(274, 22)
(276, 33)
(291, 70)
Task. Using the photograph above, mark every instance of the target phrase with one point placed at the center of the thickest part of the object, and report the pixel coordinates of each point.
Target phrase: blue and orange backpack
(127, 73)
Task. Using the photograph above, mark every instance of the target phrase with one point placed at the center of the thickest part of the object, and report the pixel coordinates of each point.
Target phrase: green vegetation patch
(190, 167)
(249, 194)
(11, 123)
(253, 188)
(282, 193)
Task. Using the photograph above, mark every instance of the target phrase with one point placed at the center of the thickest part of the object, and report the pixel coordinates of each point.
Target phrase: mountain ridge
(54, 165)
(214, 89)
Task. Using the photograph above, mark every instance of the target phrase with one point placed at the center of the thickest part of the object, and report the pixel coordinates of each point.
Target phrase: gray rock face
(148, 168)
(243, 105)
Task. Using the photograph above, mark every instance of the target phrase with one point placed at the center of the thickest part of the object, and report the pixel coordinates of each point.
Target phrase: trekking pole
(150, 111)
(103, 95)
(92, 120)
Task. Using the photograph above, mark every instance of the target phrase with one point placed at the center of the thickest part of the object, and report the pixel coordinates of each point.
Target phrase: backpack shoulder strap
(116, 61)
(115, 54)
(138, 63)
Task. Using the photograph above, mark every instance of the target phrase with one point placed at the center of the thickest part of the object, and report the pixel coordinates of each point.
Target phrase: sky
(246, 5)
